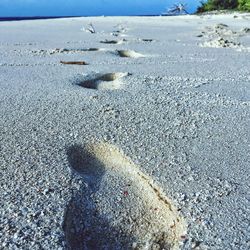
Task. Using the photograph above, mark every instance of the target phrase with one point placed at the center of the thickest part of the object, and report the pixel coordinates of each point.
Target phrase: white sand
(168, 98)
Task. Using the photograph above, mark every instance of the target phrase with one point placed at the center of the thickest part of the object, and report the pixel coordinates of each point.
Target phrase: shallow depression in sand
(122, 207)
(129, 53)
(109, 81)
(112, 41)
(147, 40)
(93, 49)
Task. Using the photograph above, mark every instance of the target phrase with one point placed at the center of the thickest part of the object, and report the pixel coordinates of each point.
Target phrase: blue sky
(88, 7)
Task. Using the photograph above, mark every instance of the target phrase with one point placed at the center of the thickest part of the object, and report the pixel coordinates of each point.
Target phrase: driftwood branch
(74, 62)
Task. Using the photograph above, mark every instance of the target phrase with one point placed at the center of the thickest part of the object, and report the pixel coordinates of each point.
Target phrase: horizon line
(3, 18)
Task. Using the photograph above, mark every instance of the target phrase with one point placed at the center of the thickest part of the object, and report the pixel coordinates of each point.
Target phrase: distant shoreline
(5, 19)
(217, 12)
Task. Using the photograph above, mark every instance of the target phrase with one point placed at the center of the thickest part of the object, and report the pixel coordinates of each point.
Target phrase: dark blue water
(2, 19)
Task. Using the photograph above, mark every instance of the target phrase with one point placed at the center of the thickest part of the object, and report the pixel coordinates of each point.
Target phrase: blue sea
(4, 19)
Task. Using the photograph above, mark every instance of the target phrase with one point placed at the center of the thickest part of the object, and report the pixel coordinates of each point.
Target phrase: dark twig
(91, 28)
(74, 62)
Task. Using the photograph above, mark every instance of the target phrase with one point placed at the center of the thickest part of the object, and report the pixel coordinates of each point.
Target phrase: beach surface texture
(125, 133)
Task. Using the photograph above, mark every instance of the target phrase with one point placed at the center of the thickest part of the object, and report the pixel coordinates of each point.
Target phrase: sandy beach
(125, 133)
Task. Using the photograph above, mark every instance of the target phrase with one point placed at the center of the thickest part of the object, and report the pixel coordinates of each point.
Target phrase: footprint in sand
(113, 41)
(245, 30)
(64, 51)
(118, 207)
(94, 49)
(119, 31)
(129, 53)
(147, 40)
(220, 36)
(109, 81)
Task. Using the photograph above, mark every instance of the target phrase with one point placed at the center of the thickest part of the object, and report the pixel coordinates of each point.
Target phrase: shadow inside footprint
(86, 165)
(147, 40)
(109, 81)
(119, 207)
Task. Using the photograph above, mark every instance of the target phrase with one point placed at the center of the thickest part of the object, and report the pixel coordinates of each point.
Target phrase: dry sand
(147, 146)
